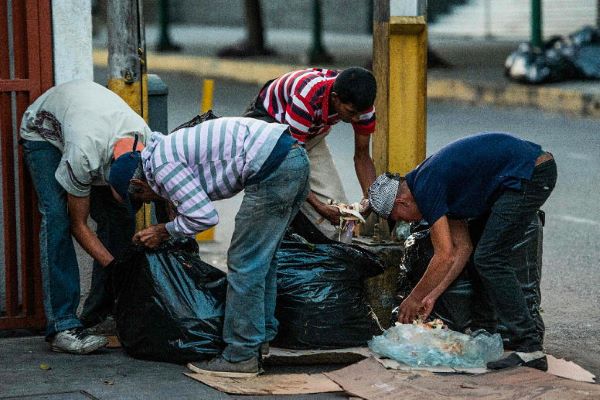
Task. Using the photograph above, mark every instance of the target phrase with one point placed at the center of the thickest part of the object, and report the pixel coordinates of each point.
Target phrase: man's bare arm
(439, 266)
(363, 163)
(79, 211)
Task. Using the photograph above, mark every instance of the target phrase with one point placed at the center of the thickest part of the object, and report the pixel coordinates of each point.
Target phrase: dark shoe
(218, 366)
(77, 341)
(264, 349)
(530, 360)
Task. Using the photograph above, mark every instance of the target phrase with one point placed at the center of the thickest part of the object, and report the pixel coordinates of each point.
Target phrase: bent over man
(494, 173)
(74, 137)
(214, 160)
(311, 101)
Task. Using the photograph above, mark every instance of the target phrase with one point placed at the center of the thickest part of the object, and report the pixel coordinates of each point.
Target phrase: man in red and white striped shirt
(310, 101)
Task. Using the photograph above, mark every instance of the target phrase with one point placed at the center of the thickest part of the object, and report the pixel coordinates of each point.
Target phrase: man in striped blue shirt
(214, 160)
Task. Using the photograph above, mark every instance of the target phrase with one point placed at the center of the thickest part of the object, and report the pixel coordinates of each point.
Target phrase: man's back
(463, 177)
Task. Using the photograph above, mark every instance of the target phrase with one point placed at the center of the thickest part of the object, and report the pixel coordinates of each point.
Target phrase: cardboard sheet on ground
(270, 384)
(372, 381)
(280, 356)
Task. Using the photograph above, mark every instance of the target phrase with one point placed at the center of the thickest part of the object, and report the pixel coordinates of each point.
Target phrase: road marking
(578, 220)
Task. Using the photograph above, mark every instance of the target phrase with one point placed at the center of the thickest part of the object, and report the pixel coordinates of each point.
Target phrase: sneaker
(219, 366)
(536, 359)
(77, 341)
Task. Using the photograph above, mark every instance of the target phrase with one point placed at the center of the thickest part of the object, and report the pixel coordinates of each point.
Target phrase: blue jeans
(265, 213)
(60, 271)
(510, 216)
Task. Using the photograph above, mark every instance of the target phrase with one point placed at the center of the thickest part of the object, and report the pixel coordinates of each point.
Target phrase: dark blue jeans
(60, 271)
(511, 213)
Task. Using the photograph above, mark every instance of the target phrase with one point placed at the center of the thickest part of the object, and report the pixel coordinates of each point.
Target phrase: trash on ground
(576, 56)
(321, 299)
(568, 369)
(169, 304)
(427, 345)
(45, 367)
(369, 380)
(456, 306)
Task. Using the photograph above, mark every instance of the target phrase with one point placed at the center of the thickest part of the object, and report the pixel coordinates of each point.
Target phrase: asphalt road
(571, 279)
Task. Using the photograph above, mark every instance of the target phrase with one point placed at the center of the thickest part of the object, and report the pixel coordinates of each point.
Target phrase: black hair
(356, 86)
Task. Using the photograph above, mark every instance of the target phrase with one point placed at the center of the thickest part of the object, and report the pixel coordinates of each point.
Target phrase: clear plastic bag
(418, 345)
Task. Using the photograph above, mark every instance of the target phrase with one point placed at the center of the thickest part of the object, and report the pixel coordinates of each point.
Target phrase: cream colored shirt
(83, 120)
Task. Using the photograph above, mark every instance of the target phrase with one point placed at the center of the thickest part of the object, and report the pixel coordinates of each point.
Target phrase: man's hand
(331, 213)
(152, 236)
(411, 309)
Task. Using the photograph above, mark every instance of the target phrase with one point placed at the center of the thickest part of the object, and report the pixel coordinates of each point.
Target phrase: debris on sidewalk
(276, 384)
(576, 56)
(170, 304)
(430, 345)
(321, 298)
(369, 380)
(568, 369)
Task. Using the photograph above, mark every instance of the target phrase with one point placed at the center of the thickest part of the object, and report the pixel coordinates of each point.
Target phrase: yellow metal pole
(207, 104)
(400, 67)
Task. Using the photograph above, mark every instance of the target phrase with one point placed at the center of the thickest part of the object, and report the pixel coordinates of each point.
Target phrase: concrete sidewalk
(476, 75)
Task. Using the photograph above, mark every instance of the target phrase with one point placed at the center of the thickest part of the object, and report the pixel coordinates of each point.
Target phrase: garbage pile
(430, 345)
(170, 304)
(321, 301)
(576, 56)
(458, 305)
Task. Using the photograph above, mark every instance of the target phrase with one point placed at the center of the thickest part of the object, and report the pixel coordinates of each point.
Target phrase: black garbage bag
(459, 303)
(454, 305)
(576, 56)
(321, 300)
(169, 304)
(529, 64)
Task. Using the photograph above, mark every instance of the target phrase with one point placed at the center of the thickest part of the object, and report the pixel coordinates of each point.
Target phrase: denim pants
(60, 271)
(265, 213)
(511, 213)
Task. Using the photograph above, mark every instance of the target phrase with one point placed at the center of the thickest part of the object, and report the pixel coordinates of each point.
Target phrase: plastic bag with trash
(169, 304)
(421, 345)
(464, 300)
(321, 297)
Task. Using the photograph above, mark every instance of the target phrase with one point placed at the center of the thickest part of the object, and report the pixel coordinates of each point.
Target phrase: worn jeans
(60, 271)
(265, 213)
(511, 213)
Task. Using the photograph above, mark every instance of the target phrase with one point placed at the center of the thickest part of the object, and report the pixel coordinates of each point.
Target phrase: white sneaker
(77, 341)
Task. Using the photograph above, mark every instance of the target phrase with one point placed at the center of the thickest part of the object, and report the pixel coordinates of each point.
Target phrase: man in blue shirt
(491, 173)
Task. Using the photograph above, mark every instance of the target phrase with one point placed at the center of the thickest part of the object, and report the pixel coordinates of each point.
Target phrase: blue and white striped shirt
(210, 161)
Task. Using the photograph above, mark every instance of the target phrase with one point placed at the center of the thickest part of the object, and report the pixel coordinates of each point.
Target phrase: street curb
(513, 95)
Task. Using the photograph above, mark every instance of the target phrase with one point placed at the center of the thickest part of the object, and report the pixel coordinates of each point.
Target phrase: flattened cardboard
(370, 380)
(270, 384)
(568, 369)
(280, 356)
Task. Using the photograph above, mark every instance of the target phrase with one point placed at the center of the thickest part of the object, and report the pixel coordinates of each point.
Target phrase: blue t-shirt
(463, 179)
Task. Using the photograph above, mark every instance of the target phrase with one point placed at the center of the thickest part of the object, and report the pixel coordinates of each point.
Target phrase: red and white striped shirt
(300, 99)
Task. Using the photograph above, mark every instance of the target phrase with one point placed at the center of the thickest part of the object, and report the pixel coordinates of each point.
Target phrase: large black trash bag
(454, 305)
(321, 300)
(169, 303)
(458, 304)
(576, 56)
